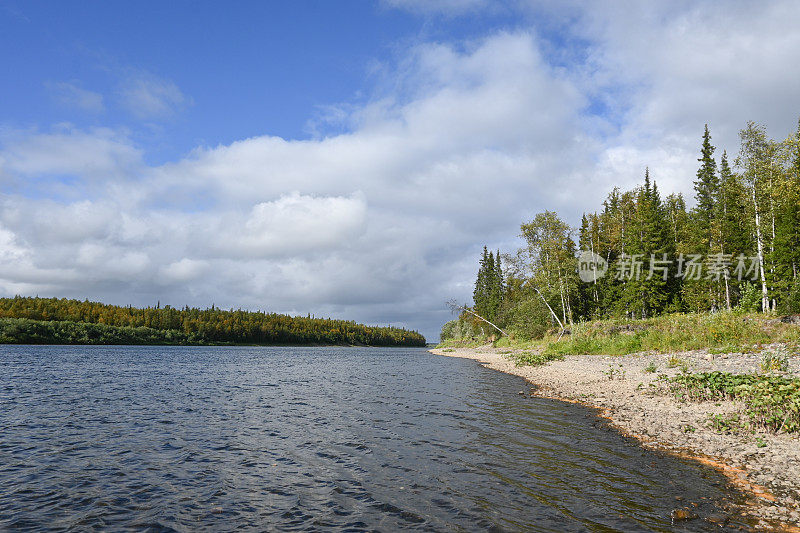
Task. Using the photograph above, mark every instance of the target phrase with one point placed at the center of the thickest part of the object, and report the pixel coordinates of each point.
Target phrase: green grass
(770, 402)
(719, 333)
(533, 358)
(462, 343)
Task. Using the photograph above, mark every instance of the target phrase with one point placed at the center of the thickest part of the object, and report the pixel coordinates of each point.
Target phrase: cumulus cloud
(384, 221)
(71, 95)
(676, 66)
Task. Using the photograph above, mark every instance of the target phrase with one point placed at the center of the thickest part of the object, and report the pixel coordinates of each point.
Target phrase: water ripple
(308, 439)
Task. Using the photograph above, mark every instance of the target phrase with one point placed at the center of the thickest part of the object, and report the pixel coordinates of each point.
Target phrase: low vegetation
(769, 401)
(775, 359)
(533, 358)
(722, 332)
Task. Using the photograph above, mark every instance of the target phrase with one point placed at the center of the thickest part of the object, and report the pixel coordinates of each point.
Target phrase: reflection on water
(342, 439)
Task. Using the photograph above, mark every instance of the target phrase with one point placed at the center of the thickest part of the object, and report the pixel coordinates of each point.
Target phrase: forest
(736, 249)
(62, 321)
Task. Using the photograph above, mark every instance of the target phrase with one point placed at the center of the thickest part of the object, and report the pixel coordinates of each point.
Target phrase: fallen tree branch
(455, 307)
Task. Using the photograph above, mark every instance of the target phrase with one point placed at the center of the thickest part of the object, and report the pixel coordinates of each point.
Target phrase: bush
(458, 330)
(775, 359)
(750, 301)
(534, 359)
(529, 319)
(448, 330)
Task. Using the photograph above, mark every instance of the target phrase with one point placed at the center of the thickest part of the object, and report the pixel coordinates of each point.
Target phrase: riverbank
(631, 395)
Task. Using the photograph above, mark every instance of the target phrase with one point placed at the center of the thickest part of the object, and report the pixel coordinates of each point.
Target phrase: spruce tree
(491, 296)
(646, 292)
(480, 295)
(705, 187)
(703, 294)
(497, 288)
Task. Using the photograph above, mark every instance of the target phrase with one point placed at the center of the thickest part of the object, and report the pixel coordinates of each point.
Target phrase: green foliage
(729, 423)
(770, 402)
(719, 332)
(25, 331)
(651, 368)
(56, 321)
(534, 358)
(743, 234)
(615, 372)
(750, 301)
(488, 293)
(775, 359)
(529, 319)
(677, 362)
(547, 264)
(458, 330)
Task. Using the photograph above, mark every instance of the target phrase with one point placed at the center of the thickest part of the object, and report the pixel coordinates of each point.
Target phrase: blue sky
(351, 158)
(241, 69)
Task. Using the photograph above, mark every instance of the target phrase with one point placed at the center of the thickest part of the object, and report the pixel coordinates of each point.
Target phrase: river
(321, 438)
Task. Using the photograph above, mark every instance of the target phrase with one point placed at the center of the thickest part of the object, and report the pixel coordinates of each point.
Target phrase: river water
(308, 439)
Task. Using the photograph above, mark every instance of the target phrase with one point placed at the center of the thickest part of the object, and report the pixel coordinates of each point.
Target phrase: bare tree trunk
(727, 292)
(772, 244)
(455, 306)
(596, 295)
(550, 308)
(760, 247)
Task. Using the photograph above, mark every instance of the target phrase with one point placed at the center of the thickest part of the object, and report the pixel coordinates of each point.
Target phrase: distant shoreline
(770, 474)
(34, 320)
(225, 345)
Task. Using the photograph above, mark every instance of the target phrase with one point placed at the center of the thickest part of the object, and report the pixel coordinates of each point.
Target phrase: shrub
(529, 319)
(775, 359)
(534, 359)
(750, 301)
(770, 402)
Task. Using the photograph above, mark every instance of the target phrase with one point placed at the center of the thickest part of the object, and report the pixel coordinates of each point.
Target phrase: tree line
(737, 248)
(64, 321)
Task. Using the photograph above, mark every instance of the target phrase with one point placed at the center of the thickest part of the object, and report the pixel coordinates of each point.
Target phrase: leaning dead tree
(455, 308)
(561, 325)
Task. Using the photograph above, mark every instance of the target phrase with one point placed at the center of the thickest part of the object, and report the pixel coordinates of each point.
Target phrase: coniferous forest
(63, 321)
(737, 248)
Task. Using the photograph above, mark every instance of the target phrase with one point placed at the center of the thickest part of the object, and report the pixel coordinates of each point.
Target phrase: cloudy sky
(350, 159)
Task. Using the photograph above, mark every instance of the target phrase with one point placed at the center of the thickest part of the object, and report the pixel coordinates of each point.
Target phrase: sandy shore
(770, 473)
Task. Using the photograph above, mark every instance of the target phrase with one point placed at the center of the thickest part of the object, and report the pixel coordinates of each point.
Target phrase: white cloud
(183, 271)
(297, 223)
(149, 97)
(449, 7)
(681, 65)
(99, 153)
(71, 95)
(384, 222)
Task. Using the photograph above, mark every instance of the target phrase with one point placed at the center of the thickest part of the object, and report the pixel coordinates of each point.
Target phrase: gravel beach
(763, 464)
